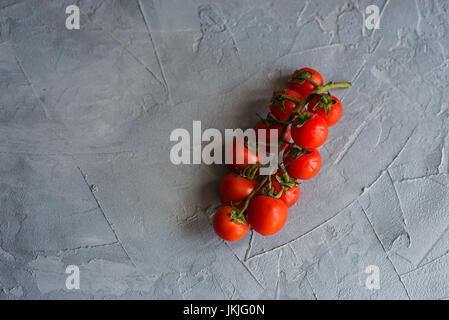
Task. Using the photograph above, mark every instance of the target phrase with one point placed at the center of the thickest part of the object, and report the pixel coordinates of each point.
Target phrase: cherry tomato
(312, 134)
(305, 87)
(335, 110)
(248, 156)
(305, 167)
(289, 106)
(289, 196)
(234, 188)
(262, 126)
(267, 215)
(226, 228)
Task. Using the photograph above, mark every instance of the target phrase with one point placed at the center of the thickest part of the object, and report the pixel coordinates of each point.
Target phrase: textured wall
(85, 177)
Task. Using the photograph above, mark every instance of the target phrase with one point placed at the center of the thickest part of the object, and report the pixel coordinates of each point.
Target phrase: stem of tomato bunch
(251, 195)
(332, 85)
(301, 104)
(320, 89)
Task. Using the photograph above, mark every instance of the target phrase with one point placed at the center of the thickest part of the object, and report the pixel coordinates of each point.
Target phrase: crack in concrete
(106, 218)
(304, 234)
(19, 63)
(128, 51)
(386, 253)
(250, 244)
(74, 249)
(425, 264)
(246, 267)
(155, 50)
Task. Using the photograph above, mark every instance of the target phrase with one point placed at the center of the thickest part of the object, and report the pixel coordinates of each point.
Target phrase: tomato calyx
(294, 153)
(325, 101)
(302, 118)
(301, 76)
(279, 99)
(250, 171)
(237, 215)
(269, 191)
(283, 178)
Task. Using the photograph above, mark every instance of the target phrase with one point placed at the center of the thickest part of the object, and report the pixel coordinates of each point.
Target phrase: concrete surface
(85, 177)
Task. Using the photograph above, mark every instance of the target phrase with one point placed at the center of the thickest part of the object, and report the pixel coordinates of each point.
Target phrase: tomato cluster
(301, 115)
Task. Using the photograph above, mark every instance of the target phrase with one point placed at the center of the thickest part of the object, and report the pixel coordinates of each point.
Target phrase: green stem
(252, 194)
(332, 85)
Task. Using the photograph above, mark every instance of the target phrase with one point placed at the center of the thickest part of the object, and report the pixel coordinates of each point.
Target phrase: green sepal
(296, 152)
(300, 76)
(302, 118)
(279, 100)
(237, 216)
(325, 102)
(286, 181)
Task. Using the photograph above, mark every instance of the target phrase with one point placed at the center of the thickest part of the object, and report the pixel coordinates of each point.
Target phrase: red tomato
(267, 215)
(248, 156)
(335, 110)
(234, 188)
(262, 126)
(312, 134)
(305, 87)
(305, 167)
(289, 196)
(289, 106)
(226, 228)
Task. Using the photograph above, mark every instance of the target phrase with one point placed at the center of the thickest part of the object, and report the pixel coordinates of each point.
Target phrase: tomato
(312, 134)
(306, 166)
(226, 228)
(335, 110)
(267, 215)
(289, 106)
(305, 87)
(234, 188)
(262, 126)
(289, 196)
(247, 155)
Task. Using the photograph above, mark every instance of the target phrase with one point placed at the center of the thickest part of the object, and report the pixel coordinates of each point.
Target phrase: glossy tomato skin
(248, 156)
(262, 126)
(227, 229)
(289, 196)
(267, 215)
(288, 105)
(335, 111)
(312, 134)
(234, 188)
(306, 87)
(305, 166)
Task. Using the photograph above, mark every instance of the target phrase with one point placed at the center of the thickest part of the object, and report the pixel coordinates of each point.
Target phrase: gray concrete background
(85, 177)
